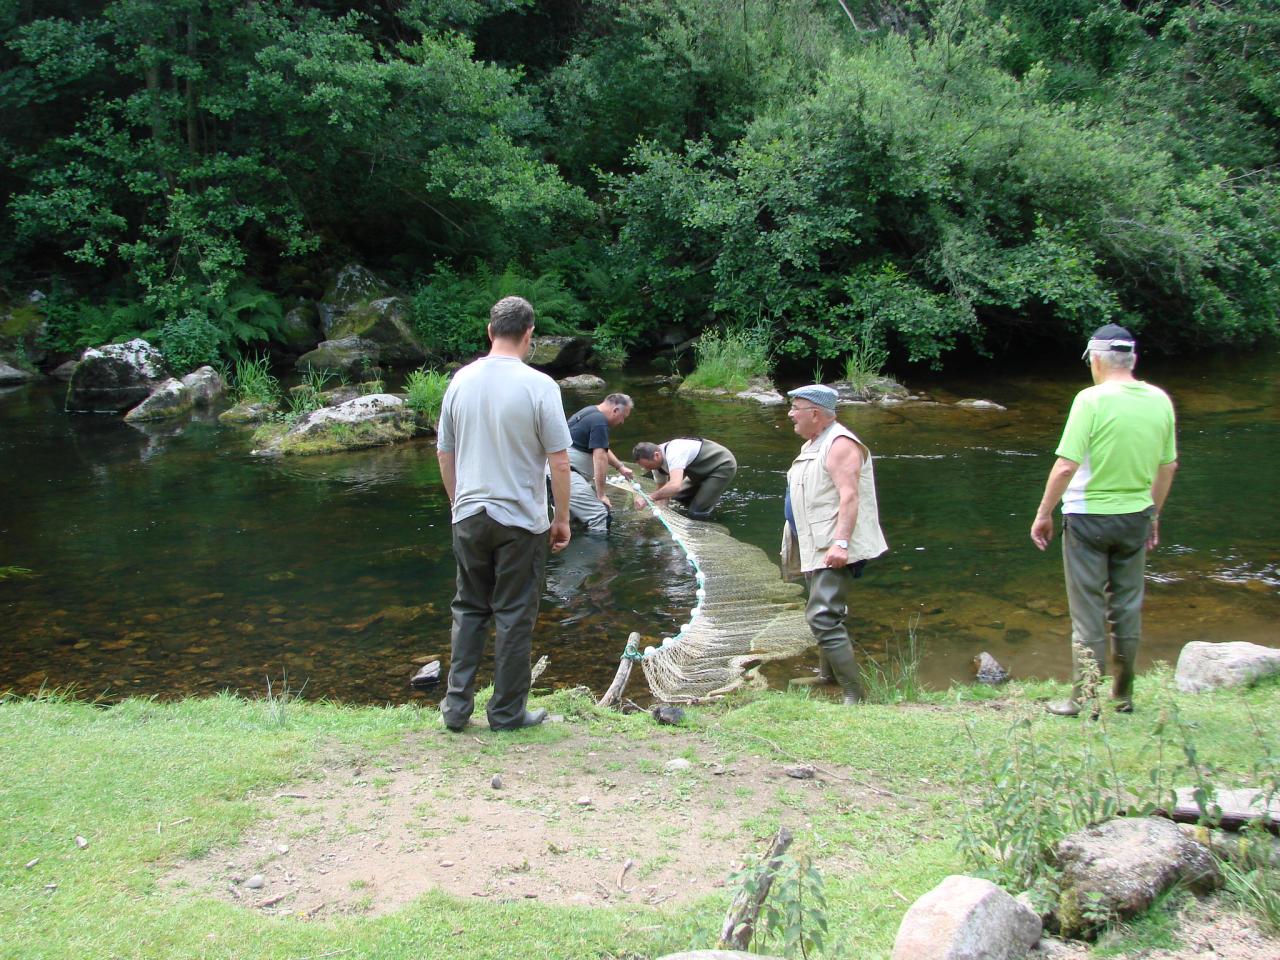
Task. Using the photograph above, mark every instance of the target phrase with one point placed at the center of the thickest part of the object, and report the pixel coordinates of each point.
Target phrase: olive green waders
(826, 612)
(1104, 560)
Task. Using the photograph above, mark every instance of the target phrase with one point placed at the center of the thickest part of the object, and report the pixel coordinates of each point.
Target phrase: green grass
(252, 382)
(729, 358)
(151, 783)
(426, 392)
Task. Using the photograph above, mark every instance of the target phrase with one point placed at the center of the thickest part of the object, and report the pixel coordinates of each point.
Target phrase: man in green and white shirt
(1115, 465)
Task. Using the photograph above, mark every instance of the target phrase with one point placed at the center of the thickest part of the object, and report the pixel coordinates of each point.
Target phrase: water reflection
(172, 561)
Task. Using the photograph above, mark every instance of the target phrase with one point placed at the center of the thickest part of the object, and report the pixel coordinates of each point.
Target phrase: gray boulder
(115, 377)
(558, 356)
(583, 381)
(205, 386)
(980, 405)
(170, 399)
(12, 374)
(247, 413)
(351, 357)
(22, 327)
(965, 918)
(1208, 666)
(64, 371)
(370, 421)
(878, 389)
(1116, 870)
(299, 331)
(359, 304)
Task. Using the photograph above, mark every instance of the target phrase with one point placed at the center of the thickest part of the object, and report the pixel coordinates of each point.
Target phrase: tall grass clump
(426, 392)
(865, 361)
(728, 359)
(898, 679)
(252, 382)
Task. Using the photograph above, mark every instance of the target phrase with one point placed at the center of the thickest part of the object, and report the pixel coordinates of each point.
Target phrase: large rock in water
(299, 331)
(351, 357)
(205, 385)
(559, 356)
(11, 374)
(1116, 870)
(359, 304)
(170, 399)
(370, 421)
(22, 327)
(115, 377)
(965, 918)
(1209, 666)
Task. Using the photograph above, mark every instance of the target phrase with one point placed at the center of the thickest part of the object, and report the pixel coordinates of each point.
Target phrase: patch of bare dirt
(584, 820)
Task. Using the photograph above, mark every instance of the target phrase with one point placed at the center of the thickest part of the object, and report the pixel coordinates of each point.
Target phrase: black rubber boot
(824, 677)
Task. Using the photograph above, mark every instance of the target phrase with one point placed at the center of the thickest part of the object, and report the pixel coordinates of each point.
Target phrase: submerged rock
(428, 676)
(583, 381)
(115, 377)
(980, 405)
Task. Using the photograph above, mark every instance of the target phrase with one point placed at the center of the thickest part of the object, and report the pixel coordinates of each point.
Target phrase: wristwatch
(842, 544)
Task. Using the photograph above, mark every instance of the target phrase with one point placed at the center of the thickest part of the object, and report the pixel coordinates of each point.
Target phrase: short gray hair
(1115, 359)
(643, 451)
(510, 317)
(619, 400)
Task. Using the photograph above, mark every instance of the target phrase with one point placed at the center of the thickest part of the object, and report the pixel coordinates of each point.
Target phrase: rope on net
(745, 613)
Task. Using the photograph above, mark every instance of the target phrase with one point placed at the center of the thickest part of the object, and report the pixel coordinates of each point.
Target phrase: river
(168, 561)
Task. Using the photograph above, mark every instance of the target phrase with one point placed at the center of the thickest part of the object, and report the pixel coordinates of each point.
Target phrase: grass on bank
(150, 783)
(728, 359)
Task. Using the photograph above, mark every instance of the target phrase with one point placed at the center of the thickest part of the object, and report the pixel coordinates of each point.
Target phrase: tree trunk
(740, 922)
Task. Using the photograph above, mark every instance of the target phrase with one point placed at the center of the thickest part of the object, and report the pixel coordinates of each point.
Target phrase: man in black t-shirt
(590, 459)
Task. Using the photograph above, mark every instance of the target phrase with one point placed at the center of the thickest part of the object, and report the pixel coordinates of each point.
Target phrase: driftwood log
(614, 694)
(740, 922)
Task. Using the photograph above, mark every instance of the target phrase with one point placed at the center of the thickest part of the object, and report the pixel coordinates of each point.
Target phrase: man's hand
(627, 473)
(1153, 536)
(836, 558)
(604, 498)
(1042, 530)
(559, 535)
(638, 503)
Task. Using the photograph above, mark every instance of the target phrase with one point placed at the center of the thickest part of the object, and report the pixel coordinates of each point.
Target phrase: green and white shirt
(1120, 432)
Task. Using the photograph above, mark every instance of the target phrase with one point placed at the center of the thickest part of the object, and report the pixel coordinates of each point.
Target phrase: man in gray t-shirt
(501, 423)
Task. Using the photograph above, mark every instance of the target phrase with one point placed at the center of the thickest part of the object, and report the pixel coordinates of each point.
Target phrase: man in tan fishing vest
(833, 526)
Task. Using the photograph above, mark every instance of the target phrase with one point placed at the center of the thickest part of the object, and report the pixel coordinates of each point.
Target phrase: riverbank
(378, 834)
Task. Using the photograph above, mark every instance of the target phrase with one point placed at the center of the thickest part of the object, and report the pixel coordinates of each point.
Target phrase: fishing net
(745, 613)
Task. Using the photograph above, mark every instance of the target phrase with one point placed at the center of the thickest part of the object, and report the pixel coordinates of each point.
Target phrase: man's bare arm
(559, 463)
(1159, 493)
(448, 472)
(1060, 475)
(844, 464)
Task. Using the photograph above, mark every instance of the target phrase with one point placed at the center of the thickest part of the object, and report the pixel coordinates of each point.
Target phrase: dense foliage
(927, 177)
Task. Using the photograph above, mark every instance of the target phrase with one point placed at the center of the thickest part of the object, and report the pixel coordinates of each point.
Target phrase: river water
(169, 561)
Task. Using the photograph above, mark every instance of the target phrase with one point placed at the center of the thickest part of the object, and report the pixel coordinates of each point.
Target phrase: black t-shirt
(589, 430)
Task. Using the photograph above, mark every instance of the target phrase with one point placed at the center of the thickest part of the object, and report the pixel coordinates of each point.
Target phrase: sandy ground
(585, 820)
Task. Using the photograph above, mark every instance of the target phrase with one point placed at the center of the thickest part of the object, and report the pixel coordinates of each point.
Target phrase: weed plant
(426, 392)
(278, 699)
(728, 359)
(795, 914)
(252, 382)
(898, 680)
(610, 352)
(308, 397)
(865, 361)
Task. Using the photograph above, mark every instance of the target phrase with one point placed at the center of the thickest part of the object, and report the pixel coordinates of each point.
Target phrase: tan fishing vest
(815, 502)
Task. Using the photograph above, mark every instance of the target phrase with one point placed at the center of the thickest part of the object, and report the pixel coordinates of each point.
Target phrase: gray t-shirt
(500, 419)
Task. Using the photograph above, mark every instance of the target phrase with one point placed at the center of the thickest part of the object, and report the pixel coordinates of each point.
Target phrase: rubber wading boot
(1123, 663)
(824, 677)
(844, 668)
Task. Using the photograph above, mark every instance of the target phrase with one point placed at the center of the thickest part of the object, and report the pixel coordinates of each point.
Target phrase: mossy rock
(21, 327)
(247, 413)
